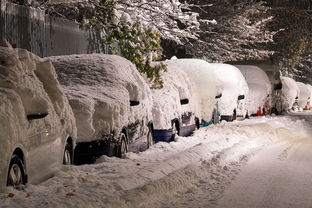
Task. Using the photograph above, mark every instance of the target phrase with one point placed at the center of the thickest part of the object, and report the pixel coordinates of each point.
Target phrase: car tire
(150, 138)
(175, 131)
(123, 146)
(16, 175)
(67, 157)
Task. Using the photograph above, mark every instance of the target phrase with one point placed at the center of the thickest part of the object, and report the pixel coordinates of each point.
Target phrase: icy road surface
(261, 162)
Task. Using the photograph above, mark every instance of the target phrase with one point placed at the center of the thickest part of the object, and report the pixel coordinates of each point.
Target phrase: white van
(259, 96)
(111, 101)
(37, 127)
(208, 86)
(232, 103)
(176, 109)
(290, 94)
(304, 95)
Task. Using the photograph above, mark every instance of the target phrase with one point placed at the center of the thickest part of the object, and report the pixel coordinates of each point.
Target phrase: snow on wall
(290, 91)
(99, 88)
(26, 88)
(204, 77)
(166, 101)
(304, 94)
(234, 84)
(259, 86)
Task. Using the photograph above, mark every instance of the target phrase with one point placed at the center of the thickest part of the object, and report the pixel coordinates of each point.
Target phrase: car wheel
(16, 174)
(123, 147)
(175, 131)
(67, 157)
(150, 139)
(197, 123)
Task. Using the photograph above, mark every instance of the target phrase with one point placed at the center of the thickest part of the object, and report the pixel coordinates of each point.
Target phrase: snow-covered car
(309, 104)
(176, 107)
(304, 96)
(232, 103)
(290, 94)
(259, 96)
(111, 102)
(37, 126)
(208, 86)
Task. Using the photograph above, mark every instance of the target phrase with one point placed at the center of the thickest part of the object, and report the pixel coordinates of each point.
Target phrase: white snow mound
(234, 84)
(259, 86)
(290, 91)
(205, 80)
(304, 94)
(99, 88)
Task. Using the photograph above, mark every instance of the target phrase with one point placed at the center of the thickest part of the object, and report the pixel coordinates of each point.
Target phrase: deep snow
(192, 172)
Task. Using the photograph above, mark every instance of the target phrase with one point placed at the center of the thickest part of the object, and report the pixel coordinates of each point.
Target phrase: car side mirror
(134, 102)
(184, 101)
(36, 116)
(218, 96)
(241, 97)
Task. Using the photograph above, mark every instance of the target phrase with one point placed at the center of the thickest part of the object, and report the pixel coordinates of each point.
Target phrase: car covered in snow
(232, 104)
(304, 95)
(208, 86)
(176, 107)
(258, 99)
(37, 126)
(290, 95)
(111, 102)
(309, 103)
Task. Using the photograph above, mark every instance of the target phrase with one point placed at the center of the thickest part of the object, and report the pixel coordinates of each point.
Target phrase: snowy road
(261, 162)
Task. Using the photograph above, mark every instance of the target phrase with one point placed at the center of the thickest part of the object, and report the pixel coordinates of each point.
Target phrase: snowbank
(304, 94)
(290, 91)
(205, 80)
(166, 101)
(99, 88)
(234, 84)
(259, 87)
(28, 86)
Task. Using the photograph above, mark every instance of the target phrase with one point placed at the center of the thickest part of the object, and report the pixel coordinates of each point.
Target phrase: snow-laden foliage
(235, 30)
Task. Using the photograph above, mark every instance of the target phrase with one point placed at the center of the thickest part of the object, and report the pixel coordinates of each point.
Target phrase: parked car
(304, 95)
(232, 103)
(208, 86)
(290, 94)
(309, 103)
(111, 102)
(176, 107)
(259, 96)
(37, 127)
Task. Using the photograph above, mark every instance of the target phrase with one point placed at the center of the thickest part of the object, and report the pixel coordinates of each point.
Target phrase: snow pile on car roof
(35, 82)
(304, 94)
(259, 86)
(205, 79)
(99, 88)
(166, 101)
(234, 84)
(290, 91)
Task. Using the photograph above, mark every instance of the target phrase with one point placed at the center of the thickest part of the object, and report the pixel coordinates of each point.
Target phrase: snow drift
(166, 101)
(29, 86)
(234, 84)
(259, 87)
(205, 80)
(290, 92)
(99, 88)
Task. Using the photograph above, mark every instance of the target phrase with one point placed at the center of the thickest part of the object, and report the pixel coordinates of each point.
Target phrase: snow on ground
(191, 171)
